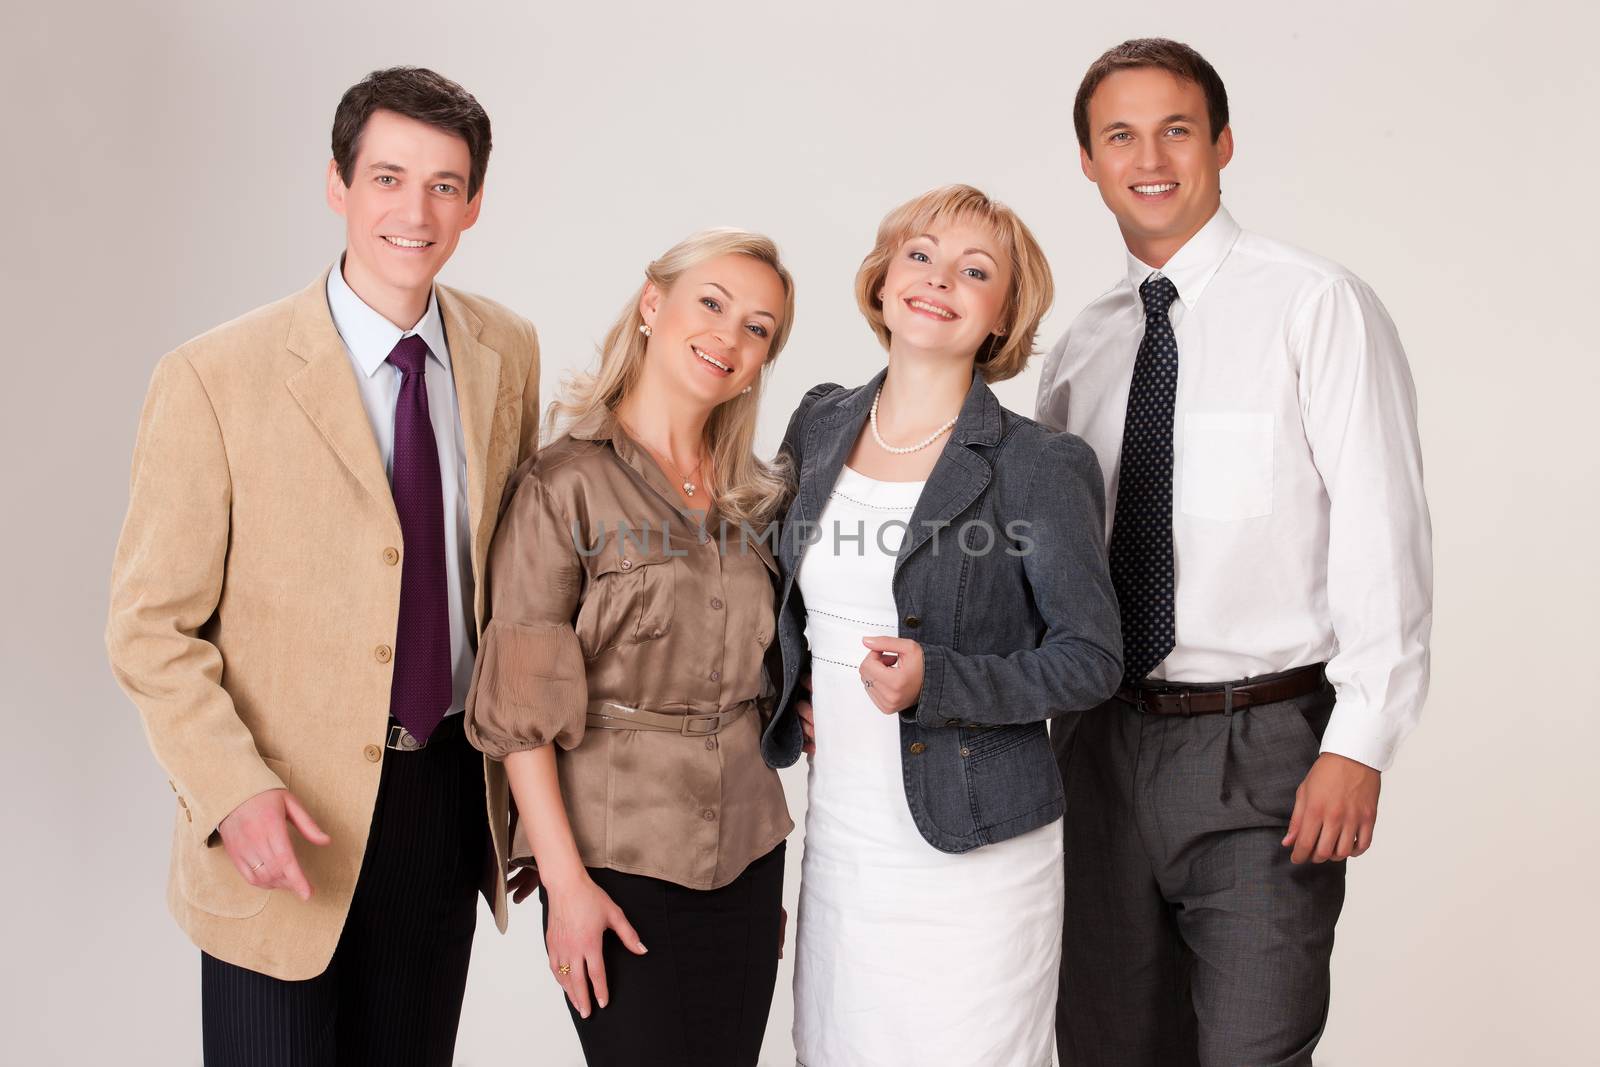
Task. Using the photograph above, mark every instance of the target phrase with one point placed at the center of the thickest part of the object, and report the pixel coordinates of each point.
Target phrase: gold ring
(254, 867)
(564, 969)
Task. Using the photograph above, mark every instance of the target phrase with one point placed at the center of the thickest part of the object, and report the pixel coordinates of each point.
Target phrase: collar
(1193, 265)
(369, 336)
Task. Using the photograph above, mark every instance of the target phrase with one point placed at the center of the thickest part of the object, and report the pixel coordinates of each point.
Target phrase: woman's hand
(892, 673)
(580, 915)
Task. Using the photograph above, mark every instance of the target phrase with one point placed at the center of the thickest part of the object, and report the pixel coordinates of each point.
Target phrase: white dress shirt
(1300, 530)
(369, 338)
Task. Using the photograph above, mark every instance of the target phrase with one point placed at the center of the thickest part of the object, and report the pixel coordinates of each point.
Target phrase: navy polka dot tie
(421, 690)
(1141, 532)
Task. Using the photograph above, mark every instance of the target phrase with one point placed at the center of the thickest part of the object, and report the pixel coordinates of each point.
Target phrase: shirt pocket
(633, 596)
(1227, 464)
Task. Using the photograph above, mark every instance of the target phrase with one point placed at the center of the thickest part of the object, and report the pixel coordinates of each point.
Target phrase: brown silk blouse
(605, 596)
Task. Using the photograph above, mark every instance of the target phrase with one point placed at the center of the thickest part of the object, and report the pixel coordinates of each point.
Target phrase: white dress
(905, 954)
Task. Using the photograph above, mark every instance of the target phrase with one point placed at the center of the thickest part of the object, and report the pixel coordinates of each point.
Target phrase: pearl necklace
(919, 446)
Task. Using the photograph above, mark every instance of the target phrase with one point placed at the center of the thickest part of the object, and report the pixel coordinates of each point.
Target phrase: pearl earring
(644, 328)
(746, 389)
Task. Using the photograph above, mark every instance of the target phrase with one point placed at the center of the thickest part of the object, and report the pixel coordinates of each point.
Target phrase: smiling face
(946, 289)
(404, 210)
(1154, 159)
(711, 333)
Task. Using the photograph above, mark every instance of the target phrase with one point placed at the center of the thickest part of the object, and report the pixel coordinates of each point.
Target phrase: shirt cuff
(1361, 733)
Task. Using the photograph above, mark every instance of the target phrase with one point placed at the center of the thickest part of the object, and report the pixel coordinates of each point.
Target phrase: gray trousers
(1189, 937)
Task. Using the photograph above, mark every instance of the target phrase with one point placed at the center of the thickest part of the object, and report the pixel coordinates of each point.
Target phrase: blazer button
(391, 555)
(918, 748)
(373, 753)
(383, 653)
(912, 622)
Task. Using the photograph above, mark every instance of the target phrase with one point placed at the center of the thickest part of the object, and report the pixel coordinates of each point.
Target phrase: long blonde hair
(745, 488)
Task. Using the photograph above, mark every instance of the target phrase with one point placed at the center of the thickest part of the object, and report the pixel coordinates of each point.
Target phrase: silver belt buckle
(403, 740)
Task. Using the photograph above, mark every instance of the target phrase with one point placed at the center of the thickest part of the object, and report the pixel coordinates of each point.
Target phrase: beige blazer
(256, 590)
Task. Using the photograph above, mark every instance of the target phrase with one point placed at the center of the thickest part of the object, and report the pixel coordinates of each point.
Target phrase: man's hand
(892, 673)
(256, 836)
(808, 726)
(1335, 809)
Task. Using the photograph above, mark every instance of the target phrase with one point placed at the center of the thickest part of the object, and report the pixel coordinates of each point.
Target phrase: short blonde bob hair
(1033, 289)
(745, 488)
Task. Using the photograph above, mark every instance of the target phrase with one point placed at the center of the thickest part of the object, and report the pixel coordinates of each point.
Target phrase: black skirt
(700, 996)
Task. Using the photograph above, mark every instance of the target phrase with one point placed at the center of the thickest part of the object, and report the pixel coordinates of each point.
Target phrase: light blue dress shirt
(368, 339)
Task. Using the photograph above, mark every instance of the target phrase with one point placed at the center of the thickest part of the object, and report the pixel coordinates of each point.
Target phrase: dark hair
(416, 93)
(1175, 58)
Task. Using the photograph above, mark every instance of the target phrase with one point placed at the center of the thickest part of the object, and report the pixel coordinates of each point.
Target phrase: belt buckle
(713, 724)
(403, 740)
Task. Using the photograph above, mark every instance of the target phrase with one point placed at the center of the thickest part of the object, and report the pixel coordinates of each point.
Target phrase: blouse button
(391, 555)
(918, 748)
(383, 653)
(372, 753)
(716, 603)
(716, 676)
(708, 815)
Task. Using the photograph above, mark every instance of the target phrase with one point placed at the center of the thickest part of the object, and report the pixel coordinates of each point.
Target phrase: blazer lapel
(476, 368)
(960, 475)
(827, 445)
(326, 389)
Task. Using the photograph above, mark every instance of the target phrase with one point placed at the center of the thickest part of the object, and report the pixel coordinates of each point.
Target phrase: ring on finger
(254, 867)
(564, 969)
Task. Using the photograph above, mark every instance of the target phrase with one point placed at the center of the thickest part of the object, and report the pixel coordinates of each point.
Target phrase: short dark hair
(1174, 57)
(417, 93)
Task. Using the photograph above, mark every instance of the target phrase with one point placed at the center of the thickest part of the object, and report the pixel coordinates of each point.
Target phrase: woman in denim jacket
(944, 593)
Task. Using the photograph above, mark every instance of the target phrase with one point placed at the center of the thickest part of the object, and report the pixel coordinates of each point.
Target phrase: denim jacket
(1011, 637)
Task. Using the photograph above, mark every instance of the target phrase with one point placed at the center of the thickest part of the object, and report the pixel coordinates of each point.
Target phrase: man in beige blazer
(296, 601)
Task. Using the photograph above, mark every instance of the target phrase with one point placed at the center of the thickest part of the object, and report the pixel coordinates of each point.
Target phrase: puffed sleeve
(528, 686)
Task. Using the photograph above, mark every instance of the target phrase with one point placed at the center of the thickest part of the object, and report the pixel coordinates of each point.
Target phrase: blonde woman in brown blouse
(631, 615)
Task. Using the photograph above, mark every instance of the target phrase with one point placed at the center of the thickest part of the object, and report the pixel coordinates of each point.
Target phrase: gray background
(165, 165)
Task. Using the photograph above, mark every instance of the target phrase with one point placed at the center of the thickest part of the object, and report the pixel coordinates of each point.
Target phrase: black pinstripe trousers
(392, 994)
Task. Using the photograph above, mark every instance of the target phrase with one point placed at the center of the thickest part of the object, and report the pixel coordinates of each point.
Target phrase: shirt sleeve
(528, 686)
(1360, 414)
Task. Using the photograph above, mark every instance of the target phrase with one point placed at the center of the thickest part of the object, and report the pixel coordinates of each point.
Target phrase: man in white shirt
(1255, 419)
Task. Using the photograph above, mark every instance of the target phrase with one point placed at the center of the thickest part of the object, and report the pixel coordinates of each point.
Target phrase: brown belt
(609, 715)
(1172, 698)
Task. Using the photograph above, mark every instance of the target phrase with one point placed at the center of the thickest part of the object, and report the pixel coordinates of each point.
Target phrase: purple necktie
(422, 688)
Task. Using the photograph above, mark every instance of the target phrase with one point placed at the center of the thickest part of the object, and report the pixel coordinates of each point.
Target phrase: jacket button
(918, 748)
(383, 653)
(912, 622)
(627, 564)
(373, 753)
(391, 555)
(708, 815)
(716, 603)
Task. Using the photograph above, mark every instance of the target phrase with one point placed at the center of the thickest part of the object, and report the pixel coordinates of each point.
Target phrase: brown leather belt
(609, 715)
(1172, 698)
